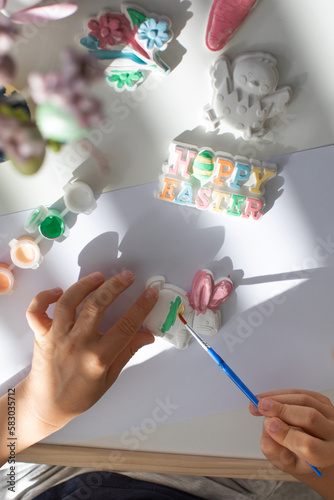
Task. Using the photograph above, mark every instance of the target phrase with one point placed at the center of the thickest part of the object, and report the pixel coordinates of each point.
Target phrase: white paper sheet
(277, 326)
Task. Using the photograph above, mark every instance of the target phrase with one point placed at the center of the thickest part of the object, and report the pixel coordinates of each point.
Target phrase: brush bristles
(182, 319)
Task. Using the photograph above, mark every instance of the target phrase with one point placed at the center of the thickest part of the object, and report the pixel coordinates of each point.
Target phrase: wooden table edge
(142, 461)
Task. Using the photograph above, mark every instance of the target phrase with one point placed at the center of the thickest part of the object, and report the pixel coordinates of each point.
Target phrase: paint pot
(25, 253)
(35, 219)
(79, 198)
(53, 225)
(6, 279)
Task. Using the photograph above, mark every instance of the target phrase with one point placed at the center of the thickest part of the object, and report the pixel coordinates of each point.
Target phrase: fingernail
(57, 290)
(273, 425)
(265, 404)
(97, 276)
(150, 293)
(128, 275)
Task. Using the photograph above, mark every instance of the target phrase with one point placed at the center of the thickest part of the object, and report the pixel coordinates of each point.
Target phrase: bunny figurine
(200, 307)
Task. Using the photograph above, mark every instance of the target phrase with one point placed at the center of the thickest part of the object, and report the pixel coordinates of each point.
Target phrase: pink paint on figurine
(206, 293)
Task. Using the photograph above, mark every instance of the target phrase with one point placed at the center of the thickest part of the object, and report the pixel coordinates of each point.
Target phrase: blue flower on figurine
(155, 33)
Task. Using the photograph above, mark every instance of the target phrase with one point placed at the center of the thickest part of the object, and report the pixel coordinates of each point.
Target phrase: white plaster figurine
(200, 307)
(245, 95)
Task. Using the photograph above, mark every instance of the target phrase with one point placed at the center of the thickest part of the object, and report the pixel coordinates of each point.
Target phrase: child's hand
(300, 429)
(73, 363)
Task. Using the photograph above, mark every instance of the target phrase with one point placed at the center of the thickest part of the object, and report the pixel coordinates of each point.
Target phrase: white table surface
(298, 33)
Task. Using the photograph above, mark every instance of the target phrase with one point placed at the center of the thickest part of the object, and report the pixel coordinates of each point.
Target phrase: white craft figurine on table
(200, 307)
(245, 95)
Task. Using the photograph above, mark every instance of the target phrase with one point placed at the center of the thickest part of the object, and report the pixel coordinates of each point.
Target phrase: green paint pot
(53, 226)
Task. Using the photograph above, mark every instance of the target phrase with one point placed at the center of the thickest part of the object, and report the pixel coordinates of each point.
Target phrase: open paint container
(6, 279)
(79, 198)
(25, 253)
(53, 225)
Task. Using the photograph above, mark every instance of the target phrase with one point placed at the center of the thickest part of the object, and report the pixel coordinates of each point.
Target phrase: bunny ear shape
(2, 4)
(44, 13)
(201, 291)
(222, 289)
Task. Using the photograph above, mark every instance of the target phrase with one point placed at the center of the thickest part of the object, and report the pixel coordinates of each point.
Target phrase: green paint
(235, 208)
(137, 18)
(53, 225)
(171, 317)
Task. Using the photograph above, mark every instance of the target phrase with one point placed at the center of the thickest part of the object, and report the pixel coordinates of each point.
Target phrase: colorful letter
(186, 195)
(185, 164)
(202, 203)
(237, 202)
(242, 174)
(219, 197)
(167, 193)
(261, 180)
(253, 208)
(225, 170)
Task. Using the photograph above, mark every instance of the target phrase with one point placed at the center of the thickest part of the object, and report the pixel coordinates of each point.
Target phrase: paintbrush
(230, 373)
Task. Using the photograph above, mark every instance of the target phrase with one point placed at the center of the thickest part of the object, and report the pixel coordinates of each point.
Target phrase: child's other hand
(299, 428)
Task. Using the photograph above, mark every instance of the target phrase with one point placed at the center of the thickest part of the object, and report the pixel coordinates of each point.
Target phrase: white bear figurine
(245, 95)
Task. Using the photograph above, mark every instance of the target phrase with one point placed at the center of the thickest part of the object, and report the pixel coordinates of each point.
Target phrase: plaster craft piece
(128, 44)
(200, 307)
(245, 95)
(224, 19)
(215, 181)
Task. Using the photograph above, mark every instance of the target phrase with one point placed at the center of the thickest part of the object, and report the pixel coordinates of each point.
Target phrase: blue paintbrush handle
(239, 383)
(230, 373)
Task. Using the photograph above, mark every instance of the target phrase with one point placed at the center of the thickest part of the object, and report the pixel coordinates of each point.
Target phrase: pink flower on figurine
(110, 29)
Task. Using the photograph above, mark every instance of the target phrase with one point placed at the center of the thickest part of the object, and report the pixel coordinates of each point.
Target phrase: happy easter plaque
(215, 181)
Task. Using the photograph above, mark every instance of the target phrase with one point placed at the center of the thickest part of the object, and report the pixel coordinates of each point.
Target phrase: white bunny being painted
(201, 307)
(245, 95)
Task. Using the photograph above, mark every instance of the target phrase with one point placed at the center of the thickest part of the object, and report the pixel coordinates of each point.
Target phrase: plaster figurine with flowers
(245, 95)
(128, 44)
(200, 307)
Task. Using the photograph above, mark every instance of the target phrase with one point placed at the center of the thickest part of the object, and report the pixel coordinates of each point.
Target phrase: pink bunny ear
(222, 289)
(44, 13)
(2, 4)
(201, 291)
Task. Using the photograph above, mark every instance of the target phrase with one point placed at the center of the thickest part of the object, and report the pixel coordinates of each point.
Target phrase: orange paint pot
(6, 279)
(25, 253)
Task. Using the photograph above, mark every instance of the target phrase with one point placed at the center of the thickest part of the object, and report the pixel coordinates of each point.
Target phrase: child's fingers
(307, 418)
(96, 304)
(306, 447)
(66, 307)
(299, 398)
(37, 317)
(282, 458)
(293, 392)
(121, 334)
